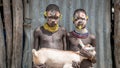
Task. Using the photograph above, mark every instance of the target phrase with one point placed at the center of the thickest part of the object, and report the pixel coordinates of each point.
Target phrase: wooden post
(17, 33)
(117, 33)
(8, 29)
(27, 53)
(2, 46)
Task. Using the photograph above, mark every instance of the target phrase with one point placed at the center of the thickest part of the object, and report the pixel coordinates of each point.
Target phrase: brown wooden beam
(117, 33)
(8, 29)
(2, 46)
(17, 33)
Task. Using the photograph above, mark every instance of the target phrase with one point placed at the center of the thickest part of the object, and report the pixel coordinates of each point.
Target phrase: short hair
(52, 7)
(79, 10)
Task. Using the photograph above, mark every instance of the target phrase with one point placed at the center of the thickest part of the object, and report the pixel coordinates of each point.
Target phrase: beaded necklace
(77, 34)
(51, 29)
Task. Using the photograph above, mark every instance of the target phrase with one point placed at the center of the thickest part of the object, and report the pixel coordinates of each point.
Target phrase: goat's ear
(34, 52)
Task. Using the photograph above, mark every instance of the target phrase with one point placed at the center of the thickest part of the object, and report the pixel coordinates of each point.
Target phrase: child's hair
(79, 10)
(52, 7)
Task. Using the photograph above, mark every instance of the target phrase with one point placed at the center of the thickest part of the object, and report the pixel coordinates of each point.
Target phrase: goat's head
(35, 57)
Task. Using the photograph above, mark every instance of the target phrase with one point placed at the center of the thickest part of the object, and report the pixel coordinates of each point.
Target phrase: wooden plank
(27, 55)
(17, 33)
(117, 33)
(8, 29)
(2, 46)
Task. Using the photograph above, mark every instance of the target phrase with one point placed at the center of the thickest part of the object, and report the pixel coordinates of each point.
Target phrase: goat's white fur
(54, 58)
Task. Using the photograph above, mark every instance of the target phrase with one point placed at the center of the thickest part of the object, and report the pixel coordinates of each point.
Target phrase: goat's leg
(43, 66)
(75, 64)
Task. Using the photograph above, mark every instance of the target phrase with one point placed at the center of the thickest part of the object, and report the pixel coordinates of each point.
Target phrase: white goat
(54, 58)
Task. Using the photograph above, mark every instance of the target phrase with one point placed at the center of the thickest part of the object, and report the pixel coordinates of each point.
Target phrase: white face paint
(53, 18)
(53, 13)
(80, 19)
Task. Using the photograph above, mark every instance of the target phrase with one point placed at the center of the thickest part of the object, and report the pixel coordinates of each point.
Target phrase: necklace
(80, 35)
(50, 29)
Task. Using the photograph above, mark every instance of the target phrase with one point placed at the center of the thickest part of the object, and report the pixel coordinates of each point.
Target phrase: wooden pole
(2, 46)
(27, 55)
(117, 33)
(17, 33)
(8, 29)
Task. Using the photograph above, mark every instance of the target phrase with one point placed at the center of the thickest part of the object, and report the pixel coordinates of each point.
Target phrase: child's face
(80, 20)
(53, 18)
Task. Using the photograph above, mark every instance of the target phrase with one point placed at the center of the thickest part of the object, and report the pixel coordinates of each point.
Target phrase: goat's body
(57, 58)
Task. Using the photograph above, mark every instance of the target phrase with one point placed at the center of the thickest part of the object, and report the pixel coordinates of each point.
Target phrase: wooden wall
(11, 33)
(117, 33)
